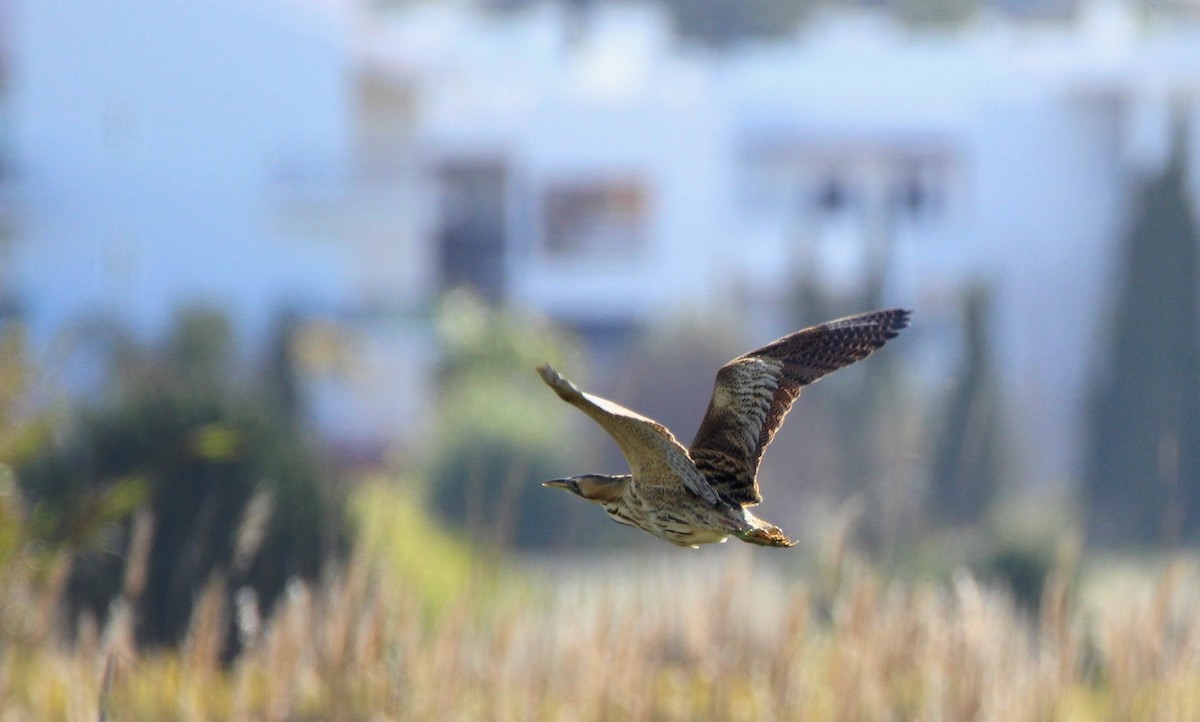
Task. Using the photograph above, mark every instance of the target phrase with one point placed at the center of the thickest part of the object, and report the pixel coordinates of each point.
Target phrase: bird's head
(593, 487)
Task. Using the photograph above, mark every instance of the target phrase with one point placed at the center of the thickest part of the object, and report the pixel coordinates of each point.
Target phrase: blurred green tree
(499, 432)
(968, 456)
(723, 22)
(231, 484)
(935, 13)
(1142, 475)
(18, 433)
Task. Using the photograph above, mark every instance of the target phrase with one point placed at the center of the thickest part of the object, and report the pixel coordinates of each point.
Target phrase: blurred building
(624, 178)
(220, 153)
(351, 163)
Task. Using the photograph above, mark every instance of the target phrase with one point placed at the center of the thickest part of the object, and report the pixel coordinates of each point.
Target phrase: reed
(719, 634)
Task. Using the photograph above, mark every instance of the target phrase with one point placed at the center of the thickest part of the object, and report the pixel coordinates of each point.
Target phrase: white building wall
(678, 161)
(201, 150)
(178, 152)
(147, 137)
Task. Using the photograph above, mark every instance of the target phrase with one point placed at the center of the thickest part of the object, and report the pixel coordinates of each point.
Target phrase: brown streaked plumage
(699, 495)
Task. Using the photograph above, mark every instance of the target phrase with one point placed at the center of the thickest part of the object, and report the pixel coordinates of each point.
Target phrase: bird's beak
(559, 483)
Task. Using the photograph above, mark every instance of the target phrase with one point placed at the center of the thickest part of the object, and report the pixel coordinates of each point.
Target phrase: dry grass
(719, 634)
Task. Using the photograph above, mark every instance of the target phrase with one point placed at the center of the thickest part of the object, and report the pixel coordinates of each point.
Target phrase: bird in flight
(700, 495)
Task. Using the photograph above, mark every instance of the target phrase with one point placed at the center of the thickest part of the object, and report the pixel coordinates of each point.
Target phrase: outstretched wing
(654, 455)
(754, 392)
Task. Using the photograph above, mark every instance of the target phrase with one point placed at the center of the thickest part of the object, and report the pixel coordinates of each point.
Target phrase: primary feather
(754, 392)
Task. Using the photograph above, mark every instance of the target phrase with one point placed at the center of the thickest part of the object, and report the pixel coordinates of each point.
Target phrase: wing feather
(655, 457)
(754, 392)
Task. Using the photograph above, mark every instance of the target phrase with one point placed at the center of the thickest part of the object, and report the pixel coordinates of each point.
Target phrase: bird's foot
(767, 536)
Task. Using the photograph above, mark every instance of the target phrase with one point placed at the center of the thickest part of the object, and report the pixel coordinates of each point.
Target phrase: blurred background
(261, 260)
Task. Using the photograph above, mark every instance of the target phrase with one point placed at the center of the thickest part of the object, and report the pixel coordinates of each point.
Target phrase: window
(902, 181)
(835, 194)
(472, 223)
(595, 219)
(918, 187)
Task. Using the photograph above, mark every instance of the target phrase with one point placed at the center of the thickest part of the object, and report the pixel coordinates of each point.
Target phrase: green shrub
(182, 435)
(500, 431)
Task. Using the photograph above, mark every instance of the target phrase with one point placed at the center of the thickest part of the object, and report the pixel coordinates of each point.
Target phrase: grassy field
(415, 627)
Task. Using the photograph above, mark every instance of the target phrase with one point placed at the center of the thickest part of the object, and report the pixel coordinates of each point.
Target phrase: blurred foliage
(935, 13)
(12, 522)
(1027, 542)
(1142, 476)
(721, 23)
(22, 430)
(724, 22)
(19, 430)
(393, 529)
(183, 433)
(1020, 567)
(499, 429)
(482, 342)
(968, 454)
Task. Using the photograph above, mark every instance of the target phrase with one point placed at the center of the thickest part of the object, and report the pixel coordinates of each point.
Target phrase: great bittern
(700, 495)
